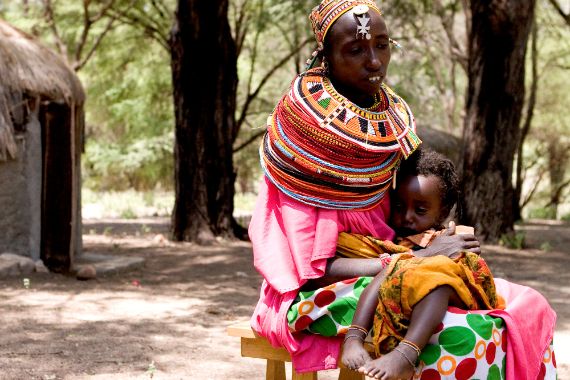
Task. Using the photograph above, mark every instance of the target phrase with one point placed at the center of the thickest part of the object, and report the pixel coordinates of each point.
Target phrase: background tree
(204, 81)
(497, 49)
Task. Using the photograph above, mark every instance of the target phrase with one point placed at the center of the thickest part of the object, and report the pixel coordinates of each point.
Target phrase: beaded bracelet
(412, 345)
(405, 356)
(358, 328)
(347, 337)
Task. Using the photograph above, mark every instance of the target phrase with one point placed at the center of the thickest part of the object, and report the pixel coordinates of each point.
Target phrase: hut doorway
(57, 210)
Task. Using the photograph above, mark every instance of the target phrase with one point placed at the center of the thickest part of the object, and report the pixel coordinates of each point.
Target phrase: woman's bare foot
(392, 366)
(354, 355)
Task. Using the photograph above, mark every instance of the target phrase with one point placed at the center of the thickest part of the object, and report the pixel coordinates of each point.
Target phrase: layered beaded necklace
(324, 150)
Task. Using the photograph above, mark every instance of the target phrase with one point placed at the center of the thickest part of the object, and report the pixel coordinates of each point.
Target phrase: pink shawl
(291, 244)
(530, 327)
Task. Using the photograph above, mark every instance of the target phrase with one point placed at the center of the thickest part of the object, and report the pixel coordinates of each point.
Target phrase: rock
(9, 268)
(25, 264)
(86, 272)
(159, 239)
(40, 267)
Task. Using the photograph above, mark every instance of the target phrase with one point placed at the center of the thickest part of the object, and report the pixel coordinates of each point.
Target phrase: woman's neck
(360, 99)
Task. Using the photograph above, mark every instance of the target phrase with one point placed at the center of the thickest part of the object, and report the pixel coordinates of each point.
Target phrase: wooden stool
(254, 346)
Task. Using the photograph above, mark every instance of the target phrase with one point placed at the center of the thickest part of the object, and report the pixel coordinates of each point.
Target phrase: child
(410, 297)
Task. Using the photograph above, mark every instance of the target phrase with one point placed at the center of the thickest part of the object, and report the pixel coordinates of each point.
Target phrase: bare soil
(167, 320)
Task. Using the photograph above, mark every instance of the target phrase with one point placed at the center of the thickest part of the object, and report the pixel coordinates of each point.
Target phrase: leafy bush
(542, 213)
(513, 240)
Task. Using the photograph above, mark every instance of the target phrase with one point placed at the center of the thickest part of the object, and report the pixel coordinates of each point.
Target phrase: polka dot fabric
(464, 346)
(327, 311)
(471, 346)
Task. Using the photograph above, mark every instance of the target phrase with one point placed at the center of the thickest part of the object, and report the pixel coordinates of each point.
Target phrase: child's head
(427, 188)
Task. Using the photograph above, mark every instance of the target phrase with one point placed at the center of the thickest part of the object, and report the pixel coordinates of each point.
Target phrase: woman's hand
(450, 244)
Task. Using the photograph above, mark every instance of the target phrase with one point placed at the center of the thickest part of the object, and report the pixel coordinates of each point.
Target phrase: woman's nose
(374, 63)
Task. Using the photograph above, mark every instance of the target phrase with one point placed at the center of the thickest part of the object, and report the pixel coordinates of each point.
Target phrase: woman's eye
(383, 46)
(421, 211)
(355, 50)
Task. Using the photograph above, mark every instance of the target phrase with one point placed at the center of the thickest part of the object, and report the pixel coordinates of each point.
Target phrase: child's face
(417, 206)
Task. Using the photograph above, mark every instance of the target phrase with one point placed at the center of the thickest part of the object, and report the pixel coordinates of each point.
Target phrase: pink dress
(291, 244)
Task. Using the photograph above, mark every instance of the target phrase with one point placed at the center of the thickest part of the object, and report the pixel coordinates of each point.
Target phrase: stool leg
(347, 374)
(275, 370)
(304, 376)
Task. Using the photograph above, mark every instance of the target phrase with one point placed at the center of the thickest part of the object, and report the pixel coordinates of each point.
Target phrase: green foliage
(129, 112)
(542, 213)
(126, 204)
(546, 246)
(144, 164)
(130, 122)
(513, 240)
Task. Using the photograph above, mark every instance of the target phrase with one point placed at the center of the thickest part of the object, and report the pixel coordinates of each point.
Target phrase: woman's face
(358, 65)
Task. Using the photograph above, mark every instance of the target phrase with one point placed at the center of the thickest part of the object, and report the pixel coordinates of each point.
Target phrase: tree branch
(558, 8)
(251, 96)
(455, 49)
(79, 63)
(250, 140)
(49, 15)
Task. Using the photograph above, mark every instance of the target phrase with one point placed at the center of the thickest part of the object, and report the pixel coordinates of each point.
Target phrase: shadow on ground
(167, 319)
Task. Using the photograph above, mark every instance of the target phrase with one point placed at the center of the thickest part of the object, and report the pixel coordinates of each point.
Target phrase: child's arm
(339, 269)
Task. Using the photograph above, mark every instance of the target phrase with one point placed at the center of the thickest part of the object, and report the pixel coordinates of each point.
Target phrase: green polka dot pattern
(466, 345)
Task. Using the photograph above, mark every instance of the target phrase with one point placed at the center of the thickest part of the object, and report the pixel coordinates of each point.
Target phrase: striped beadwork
(327, 12)
(325, 151)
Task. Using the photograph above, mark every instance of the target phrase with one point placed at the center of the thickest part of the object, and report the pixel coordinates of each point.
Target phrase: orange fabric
(409, 279)
(365, 247)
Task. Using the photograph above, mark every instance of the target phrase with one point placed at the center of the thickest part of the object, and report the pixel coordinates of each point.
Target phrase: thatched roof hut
(41, 135)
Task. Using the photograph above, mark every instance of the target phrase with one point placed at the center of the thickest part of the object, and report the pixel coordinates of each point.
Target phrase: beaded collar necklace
(323, 150)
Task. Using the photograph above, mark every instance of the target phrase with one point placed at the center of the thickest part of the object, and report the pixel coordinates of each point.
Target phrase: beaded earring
(395, 43)
(325, 65)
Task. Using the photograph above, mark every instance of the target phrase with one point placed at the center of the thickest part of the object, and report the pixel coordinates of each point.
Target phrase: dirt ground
(167, 320)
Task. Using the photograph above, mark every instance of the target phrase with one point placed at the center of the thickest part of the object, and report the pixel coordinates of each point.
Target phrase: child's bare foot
(392, 366)
(354, 355)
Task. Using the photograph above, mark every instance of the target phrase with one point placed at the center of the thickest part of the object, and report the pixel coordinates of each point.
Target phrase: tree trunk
(497, 48)
(204, 76)
(519, 175)
(558, 158)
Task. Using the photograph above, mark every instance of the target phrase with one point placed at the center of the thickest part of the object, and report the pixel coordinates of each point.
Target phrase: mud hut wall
(79, 149)
(20, 193)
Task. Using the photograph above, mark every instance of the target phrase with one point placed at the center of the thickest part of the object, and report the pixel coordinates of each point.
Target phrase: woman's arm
(341, 268)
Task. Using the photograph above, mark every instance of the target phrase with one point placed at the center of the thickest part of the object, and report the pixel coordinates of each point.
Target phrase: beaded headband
(327, 12)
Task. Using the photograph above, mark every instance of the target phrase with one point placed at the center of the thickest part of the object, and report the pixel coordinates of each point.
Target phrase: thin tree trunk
(495, 96)
(519, 175)
(204, 77)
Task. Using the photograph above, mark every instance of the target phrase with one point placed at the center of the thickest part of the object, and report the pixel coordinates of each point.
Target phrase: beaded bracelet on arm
(412, 345)
(359, 328)
(358, 332)
(405, 356)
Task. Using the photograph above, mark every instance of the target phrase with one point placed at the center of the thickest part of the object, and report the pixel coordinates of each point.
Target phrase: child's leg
(426, 316)
(354, 355)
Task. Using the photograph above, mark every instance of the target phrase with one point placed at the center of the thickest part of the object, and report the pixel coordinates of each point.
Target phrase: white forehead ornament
(362, 27)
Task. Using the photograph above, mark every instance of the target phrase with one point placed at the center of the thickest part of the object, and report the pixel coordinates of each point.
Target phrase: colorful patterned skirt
(465, 346)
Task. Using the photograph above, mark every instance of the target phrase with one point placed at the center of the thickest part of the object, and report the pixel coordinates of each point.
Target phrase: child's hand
(451, 244)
